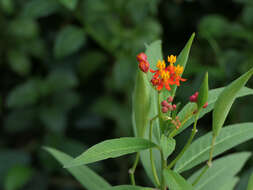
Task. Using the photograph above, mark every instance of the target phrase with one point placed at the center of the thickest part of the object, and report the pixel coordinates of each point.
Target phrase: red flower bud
(164, 109)
(165, 103)
(170, 107)
(144, 66)
(194, 97)
(141, 57)
(205, 105)
(170, 99)
(174, 106)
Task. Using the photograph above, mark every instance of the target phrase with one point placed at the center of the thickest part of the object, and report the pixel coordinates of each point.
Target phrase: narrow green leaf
(111, 149)
(250, 183)
(182, 59)
(221, 171)
(229, 137)
(141, 104)
(175, 181)
(168, 145)
(127, 187)
(212, 97)
(225, 101)
(69, 40)
(203, 92)
(83, 174)
(230, 184)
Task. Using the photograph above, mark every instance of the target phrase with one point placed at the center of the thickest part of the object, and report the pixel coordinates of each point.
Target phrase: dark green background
(68, 70)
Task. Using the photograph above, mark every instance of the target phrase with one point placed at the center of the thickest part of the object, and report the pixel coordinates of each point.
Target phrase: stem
(194, 130)
(200, 175)
(163, 166)
(209, 163)
(151, 154)
(132, 170)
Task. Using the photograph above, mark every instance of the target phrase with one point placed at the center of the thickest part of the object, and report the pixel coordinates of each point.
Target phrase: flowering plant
(157, 119)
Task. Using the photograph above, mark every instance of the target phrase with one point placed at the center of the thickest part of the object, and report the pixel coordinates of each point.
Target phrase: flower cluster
(176, 122)
(167, 106)
(163, 76)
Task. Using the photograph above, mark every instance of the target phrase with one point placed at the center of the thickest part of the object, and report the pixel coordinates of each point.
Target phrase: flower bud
(205, 105)
(165, 103)
(144, 66)
(164, 109)
(170, 99)
(141, 57)
(174, 106)
(170, 107)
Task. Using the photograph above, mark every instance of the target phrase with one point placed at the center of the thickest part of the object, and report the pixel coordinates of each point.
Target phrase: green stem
(132, 170)
(200, 175)
(209, 163)
(194, 130)
(163, 166)
(157, 182)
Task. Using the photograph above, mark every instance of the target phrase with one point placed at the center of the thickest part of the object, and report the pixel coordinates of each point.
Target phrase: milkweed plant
(157, 119)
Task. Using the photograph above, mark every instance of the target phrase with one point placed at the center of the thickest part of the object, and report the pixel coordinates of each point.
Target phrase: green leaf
(88, 178)
(69, 40)
(24, 95)
(19, 62)
(17, 29)
(141, 104)
(225, 101)
(7, 6)
(128, 187)
(39, 8)
(182, 59)
(221, 171)
(203, 92)
(212, 97)
(70, 4)
(175, 181)
(230, 184)
(111, 149)
(250, 183)
(229, 137)
(17, 177)
(168, 145)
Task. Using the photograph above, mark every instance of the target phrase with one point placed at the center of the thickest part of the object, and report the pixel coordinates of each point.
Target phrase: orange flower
(166, 76)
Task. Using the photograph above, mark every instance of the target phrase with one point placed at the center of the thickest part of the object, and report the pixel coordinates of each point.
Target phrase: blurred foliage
(67, 70)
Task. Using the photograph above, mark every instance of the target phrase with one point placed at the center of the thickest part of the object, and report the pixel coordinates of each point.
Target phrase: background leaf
(17, 177)
(83, 174)
(69, 40)
(229, 137)
(70, 4)
(250, 183)
(221, 171)
(111, 149)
